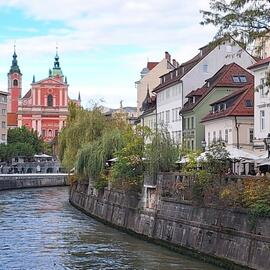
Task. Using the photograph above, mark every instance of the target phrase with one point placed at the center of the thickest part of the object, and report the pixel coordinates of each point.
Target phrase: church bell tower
(14, 85)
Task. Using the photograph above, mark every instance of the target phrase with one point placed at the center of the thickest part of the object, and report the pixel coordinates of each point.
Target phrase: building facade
(148, 109)
(229, 78)
(3, 117)
(129, 114)
(44, 108)
(150, 77)
(176, 84)
(231, 119)
(261, 71)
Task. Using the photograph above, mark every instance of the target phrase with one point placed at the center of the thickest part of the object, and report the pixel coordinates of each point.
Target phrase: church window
(15, 82)
(50, 100)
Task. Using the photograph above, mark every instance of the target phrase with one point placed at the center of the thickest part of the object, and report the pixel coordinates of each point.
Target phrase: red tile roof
(151, 65)
(238, 104)
(260, 63)
(183, 69)
(28, 94)
(12, 119)
(223, 78)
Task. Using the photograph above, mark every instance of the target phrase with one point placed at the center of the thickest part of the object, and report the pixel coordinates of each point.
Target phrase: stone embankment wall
(17, 181)
(224, 237)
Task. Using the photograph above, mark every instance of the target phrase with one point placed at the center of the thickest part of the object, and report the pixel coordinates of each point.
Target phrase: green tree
(216, 159)
(3, 152)
(127, 171)
(27, 137)
(161, 153)
(245, 20)
(20, 149)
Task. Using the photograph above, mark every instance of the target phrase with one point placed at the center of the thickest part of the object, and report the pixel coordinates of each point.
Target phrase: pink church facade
(44, 108)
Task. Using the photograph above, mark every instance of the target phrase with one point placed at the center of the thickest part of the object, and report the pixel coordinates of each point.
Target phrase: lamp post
(203, 145)
(267, 144)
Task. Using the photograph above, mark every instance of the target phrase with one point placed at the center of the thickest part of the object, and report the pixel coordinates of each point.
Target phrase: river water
(40, 230)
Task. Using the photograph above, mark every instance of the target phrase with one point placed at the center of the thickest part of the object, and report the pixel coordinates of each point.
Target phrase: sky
(102, 44)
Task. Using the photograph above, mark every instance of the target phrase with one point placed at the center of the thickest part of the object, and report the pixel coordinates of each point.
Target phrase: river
(40, 230)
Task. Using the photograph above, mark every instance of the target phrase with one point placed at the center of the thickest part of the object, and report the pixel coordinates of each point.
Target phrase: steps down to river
(17, 181)
(220, 236)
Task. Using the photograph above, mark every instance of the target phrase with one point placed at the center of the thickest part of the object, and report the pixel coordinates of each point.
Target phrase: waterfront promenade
(35, 180)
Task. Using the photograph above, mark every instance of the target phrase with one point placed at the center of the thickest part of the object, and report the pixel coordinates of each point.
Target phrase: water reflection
(41, 230)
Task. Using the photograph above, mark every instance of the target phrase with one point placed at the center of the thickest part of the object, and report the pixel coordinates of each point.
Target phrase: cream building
(150, 77)
(3, 117)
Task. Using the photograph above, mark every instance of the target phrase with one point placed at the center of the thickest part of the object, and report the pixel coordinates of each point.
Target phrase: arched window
(50, 100)
(15, 82)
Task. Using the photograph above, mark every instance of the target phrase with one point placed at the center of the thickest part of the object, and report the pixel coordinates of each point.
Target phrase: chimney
(168, 56)
(174, 63)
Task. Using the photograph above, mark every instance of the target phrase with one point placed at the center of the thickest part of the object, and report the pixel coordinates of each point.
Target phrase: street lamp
(204, 145)
(267, 144)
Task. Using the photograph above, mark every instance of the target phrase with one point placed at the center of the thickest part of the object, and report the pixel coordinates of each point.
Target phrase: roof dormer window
(249, 103)
(240, 79)
(243, 79)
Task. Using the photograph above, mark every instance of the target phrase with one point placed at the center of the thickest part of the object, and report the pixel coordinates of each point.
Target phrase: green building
(228, 79)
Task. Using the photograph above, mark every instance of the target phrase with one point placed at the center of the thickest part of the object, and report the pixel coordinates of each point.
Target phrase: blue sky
(103, 45)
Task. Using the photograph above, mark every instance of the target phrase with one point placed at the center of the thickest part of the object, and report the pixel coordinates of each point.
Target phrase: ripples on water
(40, 230)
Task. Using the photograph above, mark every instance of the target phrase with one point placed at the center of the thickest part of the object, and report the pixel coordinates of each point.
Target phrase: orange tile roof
(151, 65)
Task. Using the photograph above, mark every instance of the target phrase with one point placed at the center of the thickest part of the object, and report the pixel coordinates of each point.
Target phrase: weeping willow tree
(93, 156)
(83, 127)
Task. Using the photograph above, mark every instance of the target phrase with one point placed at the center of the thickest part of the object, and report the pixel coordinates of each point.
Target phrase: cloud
(148, 23)
(92, 27)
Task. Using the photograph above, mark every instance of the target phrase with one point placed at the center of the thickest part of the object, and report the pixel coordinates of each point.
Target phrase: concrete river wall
(17, 181)
(226, 238)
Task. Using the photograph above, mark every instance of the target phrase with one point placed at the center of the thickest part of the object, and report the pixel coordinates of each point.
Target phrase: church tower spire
(14, 84)
(56, 71)
(14, 65)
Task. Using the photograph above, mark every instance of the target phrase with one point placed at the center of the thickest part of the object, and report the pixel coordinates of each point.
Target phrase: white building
(176, 84)
(260, 71)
